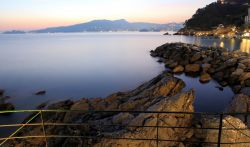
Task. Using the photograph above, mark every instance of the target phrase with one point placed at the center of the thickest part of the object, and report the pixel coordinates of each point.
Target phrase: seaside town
(240, 30)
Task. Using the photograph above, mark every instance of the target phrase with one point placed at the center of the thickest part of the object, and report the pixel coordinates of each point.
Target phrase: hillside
(108, 25)
(214, 14)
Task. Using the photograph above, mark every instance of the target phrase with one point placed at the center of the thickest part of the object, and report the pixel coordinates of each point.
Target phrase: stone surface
(205, 77)
(227, 68)
(178, 69)
(227, 136)
(162, 93)
(192, 68)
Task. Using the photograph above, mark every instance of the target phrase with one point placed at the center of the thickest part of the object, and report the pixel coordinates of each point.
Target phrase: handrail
(32, 118)
(157, 139)
(122, 111)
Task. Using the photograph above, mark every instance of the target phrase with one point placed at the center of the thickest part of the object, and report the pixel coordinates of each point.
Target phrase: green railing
(32, 122)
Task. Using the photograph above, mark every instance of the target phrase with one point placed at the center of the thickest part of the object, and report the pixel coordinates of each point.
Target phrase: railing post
(44, 132)
(220, 129)
(157, 130)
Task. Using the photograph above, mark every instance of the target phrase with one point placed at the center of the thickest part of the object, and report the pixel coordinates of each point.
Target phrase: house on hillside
(247, 18)
(232, 2)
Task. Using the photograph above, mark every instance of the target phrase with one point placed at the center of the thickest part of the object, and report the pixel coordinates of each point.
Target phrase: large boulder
(240, 104)
(234, 131)
(180, 103)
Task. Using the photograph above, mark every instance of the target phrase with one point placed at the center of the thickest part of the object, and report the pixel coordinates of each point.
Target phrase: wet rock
(220, 88)
(43, 92)
(192, 68)
(178, 69)
(205, 77)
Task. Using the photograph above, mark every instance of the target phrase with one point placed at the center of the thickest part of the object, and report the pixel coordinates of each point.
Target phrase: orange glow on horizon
(39, 14)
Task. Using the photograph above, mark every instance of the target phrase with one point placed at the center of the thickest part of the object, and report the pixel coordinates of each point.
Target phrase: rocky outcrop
(162, 93)
(228, 68)
(182, 102)
(233, 132)
(240, 104)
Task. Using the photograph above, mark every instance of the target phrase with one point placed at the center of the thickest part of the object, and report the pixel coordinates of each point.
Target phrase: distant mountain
(14, 32)
(108, 25)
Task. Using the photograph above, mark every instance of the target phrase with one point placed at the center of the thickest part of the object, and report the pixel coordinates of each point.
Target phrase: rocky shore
(162, 94)
(227, 68)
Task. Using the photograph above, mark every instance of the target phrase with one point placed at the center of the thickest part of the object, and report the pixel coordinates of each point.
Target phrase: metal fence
(39, 114)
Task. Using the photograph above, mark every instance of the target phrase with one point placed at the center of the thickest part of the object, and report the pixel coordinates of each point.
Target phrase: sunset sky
(35, 14)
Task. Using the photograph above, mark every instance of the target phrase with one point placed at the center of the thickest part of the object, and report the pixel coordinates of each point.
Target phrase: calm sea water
(93, 65)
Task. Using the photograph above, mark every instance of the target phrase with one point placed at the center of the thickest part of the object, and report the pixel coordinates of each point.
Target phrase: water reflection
(222, 44)
(245, 45)
(231, 44)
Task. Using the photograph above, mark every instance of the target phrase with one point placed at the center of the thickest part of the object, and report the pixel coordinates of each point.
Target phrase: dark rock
(195, 57)
(218, 76)
(245, 91)
(1, 92)
(220, 88)
(237, 88)
(6, 106)
(166, 33)
(43, 92)
(42, 105)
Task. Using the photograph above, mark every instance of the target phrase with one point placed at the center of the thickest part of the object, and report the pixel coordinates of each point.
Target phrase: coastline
(163, 93)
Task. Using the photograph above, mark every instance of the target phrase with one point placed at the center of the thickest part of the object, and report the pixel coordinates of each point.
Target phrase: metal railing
(32, 122)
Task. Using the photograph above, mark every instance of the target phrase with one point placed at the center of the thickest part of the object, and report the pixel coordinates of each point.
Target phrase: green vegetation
(215, 14)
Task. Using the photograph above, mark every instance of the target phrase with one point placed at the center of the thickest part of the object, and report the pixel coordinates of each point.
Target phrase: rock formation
(228, 68)
(162, 94)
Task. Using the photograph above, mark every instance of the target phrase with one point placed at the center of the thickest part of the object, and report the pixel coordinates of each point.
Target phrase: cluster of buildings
(234, 2)
(247, 18)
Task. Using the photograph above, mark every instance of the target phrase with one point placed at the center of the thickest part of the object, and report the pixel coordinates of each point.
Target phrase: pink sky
(35, 14)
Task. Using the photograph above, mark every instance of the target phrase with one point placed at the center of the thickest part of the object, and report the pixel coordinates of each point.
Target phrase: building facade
(247, 18)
